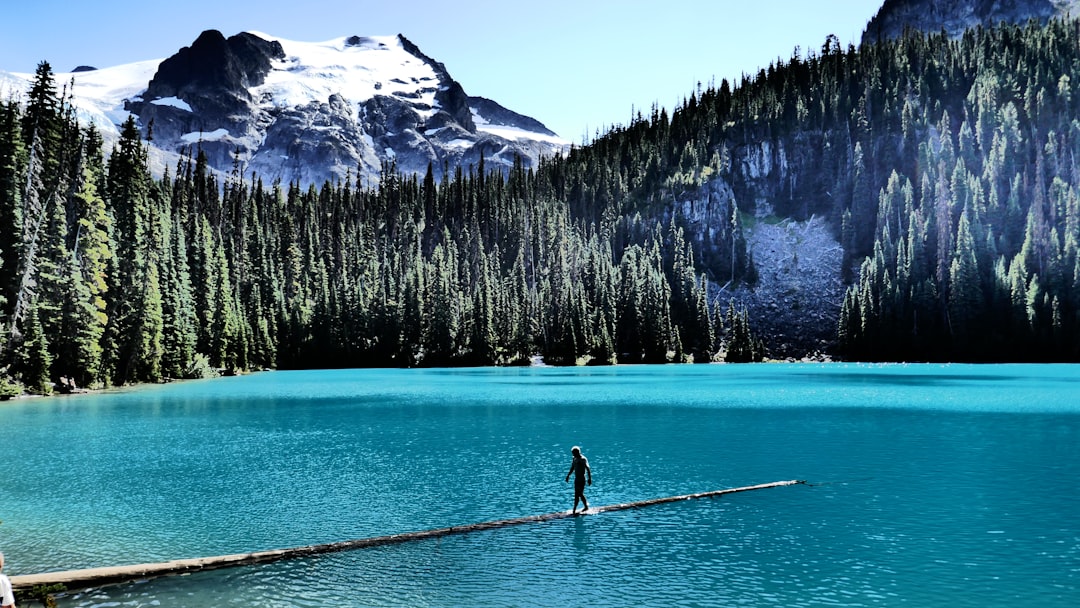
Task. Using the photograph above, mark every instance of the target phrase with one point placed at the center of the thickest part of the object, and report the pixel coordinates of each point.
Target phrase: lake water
(949, 485)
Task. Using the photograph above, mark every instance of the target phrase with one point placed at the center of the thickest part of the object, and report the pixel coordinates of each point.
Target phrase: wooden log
(99, 577)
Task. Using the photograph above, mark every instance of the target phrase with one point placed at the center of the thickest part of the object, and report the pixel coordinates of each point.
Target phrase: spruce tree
(134, 309)
(13, 158)
(35, 360)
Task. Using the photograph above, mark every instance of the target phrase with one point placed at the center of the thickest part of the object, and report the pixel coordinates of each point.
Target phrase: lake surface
(932, 485)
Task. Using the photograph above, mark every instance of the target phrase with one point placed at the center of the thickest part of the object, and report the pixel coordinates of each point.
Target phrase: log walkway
(99, 577)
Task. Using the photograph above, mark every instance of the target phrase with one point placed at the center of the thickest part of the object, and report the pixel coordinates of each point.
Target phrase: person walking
(7, 597)
(579, 467)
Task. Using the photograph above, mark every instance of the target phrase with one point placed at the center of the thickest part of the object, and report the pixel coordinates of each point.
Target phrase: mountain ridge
(307, 112)
(954, 17)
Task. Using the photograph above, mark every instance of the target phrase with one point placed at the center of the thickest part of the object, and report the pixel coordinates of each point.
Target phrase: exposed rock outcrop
(956, 16)
(795, 302)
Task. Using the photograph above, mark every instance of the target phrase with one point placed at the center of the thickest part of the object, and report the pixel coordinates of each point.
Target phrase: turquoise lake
(931, 485)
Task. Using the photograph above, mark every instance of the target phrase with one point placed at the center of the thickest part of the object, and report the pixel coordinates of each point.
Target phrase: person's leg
(579, 494)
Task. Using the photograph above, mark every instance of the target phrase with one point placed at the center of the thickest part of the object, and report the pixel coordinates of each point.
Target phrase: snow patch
(197, 136)
(12, 85)
(519, 134)
(98, 96)
(174, 102)
(355, 68)
(514, 133)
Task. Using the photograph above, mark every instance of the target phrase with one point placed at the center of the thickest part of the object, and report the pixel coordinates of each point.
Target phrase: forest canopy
(948, 170)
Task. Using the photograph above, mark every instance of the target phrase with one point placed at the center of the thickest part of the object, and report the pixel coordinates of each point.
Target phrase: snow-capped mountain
(305, 111)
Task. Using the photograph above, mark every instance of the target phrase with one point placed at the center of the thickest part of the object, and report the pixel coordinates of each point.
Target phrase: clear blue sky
(575, 65)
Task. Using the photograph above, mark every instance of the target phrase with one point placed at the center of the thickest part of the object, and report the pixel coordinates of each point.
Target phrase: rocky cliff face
(795, 302)
(202, 95)
(955, 16)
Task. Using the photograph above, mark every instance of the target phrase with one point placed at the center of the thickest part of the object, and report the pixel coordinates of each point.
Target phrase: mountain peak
(214, 62)
(310, 111)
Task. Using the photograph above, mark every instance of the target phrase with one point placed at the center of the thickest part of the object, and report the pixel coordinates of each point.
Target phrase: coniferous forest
(948, 170)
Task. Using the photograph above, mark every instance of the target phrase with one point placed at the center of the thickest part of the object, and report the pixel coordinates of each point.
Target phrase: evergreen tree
(12, 171)
(965, 291)
(179, 335)
(135, 306)
(742, 345)
(950, 182)
(34, 355)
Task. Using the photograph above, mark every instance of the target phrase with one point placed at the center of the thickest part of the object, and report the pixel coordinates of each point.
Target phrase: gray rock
(956, 16)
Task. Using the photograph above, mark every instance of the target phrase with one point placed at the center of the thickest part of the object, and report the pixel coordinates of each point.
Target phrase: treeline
(948, 168)
(976, 232)
(110, 276)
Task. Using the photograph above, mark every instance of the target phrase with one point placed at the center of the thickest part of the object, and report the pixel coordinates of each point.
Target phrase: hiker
(582, 475)
(7, 597)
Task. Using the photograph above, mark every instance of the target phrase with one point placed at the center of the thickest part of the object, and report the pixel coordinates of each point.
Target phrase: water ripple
(960, 504)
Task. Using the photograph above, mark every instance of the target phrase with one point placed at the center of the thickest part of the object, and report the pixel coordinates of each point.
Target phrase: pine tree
(965, 290)
(224, 322)
(34, 215)
(90, 259)
(179, 335)
(13, 158)
(444, 326)
(34, 356)
(742, 345)
(43, 128)
(57, 294)
(135, 307)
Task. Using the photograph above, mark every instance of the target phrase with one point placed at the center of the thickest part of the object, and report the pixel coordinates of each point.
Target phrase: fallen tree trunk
(99, 577)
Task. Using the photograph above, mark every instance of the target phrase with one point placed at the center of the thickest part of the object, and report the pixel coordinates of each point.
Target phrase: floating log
(99, 577)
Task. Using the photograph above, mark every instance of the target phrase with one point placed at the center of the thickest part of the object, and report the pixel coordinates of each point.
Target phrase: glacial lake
(929, 485)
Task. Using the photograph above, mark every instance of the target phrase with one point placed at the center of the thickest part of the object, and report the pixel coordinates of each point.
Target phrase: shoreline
(809, 360)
